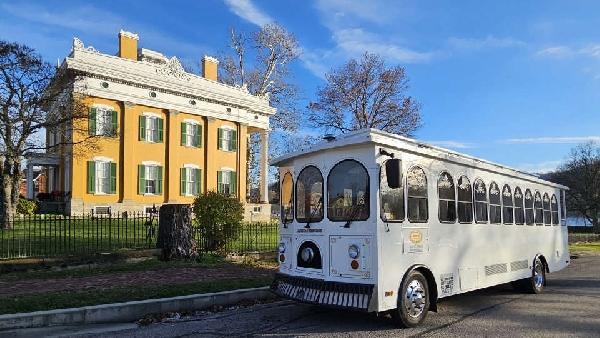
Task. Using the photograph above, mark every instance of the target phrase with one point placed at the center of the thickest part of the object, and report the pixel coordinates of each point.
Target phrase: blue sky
(513, 82)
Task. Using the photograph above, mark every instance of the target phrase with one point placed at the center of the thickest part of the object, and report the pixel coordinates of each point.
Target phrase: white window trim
(104, 106)
(191, 166)
(226, 169)
(102, 159)
(190, 121)
(150, 114)
(227, 127)
(150, 163)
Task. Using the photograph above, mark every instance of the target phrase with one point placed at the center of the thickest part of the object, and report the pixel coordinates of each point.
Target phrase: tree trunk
(11, 179)
(595, 225)
(175, 233)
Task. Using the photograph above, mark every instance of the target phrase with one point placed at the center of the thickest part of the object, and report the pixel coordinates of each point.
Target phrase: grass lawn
(62, 300)
(595, 247)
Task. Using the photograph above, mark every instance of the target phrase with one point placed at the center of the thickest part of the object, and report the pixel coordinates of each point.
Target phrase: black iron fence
(38, 236)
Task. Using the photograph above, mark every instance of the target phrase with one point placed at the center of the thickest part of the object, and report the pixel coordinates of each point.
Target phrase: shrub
(218, 217)
(26, 207)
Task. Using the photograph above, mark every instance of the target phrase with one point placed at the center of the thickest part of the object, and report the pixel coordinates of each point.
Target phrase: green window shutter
(234, 140)
(183, 180)
(183, 133)
(233, 183)
(114, 124)
(92, 121)
(220, 140)
(159, 180)
(142, 128)
(220, 182)
(198, 182)
(91, 182)
(199, 135)
(141, 179)
(160, 130)
(113, 178)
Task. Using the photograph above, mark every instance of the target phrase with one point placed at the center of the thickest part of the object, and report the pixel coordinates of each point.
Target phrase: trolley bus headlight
(307, 254)
(281, 247)
(353, 251)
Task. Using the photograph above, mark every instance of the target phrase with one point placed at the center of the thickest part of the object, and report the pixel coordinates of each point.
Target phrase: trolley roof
(393, 142)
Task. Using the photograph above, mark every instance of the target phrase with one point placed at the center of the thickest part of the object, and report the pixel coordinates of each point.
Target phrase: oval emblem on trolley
(415, 236)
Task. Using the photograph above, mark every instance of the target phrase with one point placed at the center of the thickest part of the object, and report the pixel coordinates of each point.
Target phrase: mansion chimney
(128, 43)
(209, 67)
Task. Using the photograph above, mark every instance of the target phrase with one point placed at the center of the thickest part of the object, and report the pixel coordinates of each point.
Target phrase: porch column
(127, 167)
(29, 180)
(264, 166)
(173, 131)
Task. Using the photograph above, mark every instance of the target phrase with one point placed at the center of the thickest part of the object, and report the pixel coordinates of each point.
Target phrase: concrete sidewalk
(127, 312)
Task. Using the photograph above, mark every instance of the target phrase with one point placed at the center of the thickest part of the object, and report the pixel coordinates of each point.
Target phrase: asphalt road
(570, 306)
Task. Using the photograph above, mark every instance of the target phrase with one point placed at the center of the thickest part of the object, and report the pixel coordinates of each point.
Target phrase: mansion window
(150, 178)
(102, 122)
(226, 182)
(191, 181)
(151, 129)
(191, 134)
(227, 139)
(102, 177)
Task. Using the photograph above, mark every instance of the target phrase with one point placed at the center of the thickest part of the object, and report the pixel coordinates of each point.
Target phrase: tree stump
(175, 233)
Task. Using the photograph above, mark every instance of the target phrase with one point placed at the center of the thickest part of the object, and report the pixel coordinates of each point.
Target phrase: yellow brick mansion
(164, 135)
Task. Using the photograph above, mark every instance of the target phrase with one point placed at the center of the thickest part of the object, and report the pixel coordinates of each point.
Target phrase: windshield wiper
(356, 209)
(312, 215)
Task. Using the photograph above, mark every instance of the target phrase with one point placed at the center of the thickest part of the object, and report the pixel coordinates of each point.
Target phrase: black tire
(413, 300)
(536, 283)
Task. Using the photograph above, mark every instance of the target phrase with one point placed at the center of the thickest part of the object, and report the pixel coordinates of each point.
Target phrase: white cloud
(452, 144)
(375, 11)
(543, 167)
(561, 52)
(551, 140)
(246, 10)
(76, 18)
(466, 44)
(356, 41)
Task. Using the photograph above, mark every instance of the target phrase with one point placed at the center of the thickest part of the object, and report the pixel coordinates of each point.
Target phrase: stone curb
(129, 311)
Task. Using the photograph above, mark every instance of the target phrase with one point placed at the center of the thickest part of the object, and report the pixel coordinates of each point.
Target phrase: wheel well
(432, 287)
(543, 259)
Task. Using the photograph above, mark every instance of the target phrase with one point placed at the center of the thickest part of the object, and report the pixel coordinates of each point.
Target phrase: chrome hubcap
(414, 299)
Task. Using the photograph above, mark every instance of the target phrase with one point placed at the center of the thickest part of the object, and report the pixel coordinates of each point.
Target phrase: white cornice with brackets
(141, 96)
(163, 77)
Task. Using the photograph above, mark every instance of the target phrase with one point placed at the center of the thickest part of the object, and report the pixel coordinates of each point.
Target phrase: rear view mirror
(393, 173)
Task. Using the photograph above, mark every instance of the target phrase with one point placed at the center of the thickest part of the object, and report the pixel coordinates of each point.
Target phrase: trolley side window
(465, 200)
(495, 207)
(547, 212)
(348, 192)
(416, 183)
(519, 215)
(507, 205)
(554, 207)
(528, 207)
(481, 202)
(287, 198)
(447, 200)
(309, 195)
(392, 199)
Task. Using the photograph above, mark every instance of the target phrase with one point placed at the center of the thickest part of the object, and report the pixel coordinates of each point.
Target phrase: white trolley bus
(377, 222)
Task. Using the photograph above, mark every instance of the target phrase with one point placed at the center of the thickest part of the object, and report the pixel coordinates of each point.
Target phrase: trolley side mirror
(393, 173)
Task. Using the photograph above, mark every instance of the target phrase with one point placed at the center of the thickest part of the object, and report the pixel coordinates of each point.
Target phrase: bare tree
(365, 94)
(29, 89)
(581, 173)
(274, 49)
(270, 49)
